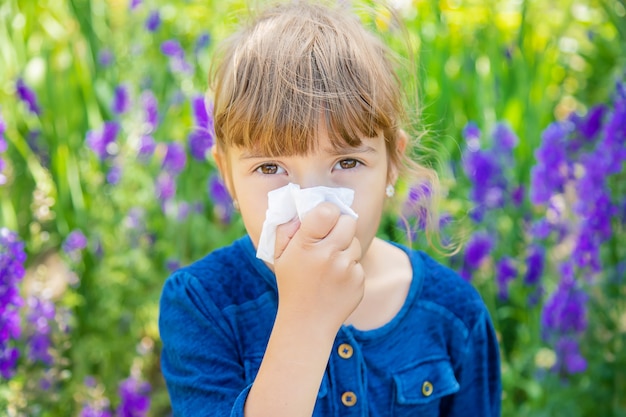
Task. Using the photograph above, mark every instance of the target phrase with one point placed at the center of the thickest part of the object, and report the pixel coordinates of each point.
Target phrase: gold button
(427, 388)
(348, 398)
(345, 350)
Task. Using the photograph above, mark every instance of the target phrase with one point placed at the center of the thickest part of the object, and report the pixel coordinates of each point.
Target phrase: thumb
(284, 233)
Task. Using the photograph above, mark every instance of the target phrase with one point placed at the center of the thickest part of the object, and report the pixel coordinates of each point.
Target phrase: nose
(312, 176)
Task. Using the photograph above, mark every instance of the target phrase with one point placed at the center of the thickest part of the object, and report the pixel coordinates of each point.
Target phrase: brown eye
(347, 164)
(269, 169)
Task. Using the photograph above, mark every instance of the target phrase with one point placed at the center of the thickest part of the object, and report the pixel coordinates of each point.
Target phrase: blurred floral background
(106, 187)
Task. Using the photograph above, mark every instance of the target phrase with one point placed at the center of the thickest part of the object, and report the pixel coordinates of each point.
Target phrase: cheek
(253, 216)
(369, 206)
(252, 200)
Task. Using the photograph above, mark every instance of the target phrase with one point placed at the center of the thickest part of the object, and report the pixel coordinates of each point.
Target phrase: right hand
(317, 265)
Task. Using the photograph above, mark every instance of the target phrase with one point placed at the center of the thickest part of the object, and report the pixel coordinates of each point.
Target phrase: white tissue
(285, 203)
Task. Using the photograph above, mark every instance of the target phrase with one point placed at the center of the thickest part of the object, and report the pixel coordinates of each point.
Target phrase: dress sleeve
(200, 360)
(480, 390)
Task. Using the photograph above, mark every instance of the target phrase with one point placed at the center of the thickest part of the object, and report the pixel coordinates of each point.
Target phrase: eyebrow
(350, 149)
(362, 149)
(251, 155)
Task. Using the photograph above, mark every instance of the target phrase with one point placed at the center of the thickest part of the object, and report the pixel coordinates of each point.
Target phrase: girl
(342, 323)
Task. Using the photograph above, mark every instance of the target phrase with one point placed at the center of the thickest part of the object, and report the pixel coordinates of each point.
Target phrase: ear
(218, 157)
(401, 143)
(221, 160)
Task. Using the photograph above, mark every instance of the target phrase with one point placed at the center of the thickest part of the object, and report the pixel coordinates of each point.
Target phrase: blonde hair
(299, 64)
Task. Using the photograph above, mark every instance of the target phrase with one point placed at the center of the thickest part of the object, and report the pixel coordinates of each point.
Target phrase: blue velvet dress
(437, 357)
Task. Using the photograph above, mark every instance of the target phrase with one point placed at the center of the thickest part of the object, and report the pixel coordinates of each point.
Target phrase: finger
(284, 234)
(358, 274)
(350, 257)
(343, 233)
(318, 222)
(354, 251)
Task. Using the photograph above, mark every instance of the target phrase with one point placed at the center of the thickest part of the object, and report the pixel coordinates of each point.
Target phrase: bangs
(300, 70)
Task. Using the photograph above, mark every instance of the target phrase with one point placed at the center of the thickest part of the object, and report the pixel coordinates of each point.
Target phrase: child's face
(364, 169)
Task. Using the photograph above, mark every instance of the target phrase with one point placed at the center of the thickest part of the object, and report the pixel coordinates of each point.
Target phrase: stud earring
(236, 205)
(390, 190)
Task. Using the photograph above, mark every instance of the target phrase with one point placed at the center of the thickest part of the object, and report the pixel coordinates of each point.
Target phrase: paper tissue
(290, 201)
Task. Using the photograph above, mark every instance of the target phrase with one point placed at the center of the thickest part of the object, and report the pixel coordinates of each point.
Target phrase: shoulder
(225, 276)
(445, 290)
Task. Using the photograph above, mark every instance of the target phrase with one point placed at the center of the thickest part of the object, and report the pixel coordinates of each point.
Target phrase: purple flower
(121, 100)
(135, 218)
(552, 170)
(517, 196)
(202, 112)
(12, 259)
(487, 169)
(200, 143)
(165, 187)
(114, 175)
(478, 249)
(419, 193)
(101, 141)
(146, 147)
(96, 406)
(8, 360)
(508, 52)
(93, 410)
(172, 265)
(134, 396)
(506, 271)
(183, 210)
(41, 314)
(483, 169)
(613, 144)
(154, 21)
(180, 64)
(505, 139)
(151, 110)
(27, 95)
(175, 158)
(472, 134)
(565, 312)
(75, 241)
(586, 252)
(172, 49)
(595, 210)
(201, 138)
(564, 319)
(569, 358)
(592, 185)
(590, 125)
(3, 128)
(222, 202)
(134, 4)
(203, 41)
(541, 229)
(47, 381)
(105, 57)
(416, 206)
(39, 149)
(598, 221)
(534, 264)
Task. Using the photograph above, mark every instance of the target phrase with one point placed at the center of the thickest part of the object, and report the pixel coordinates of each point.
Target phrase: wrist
(316, 329)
